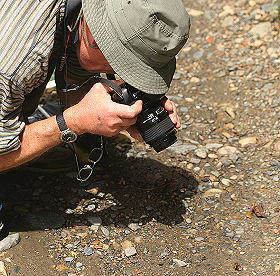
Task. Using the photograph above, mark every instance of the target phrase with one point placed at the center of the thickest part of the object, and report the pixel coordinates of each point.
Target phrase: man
(137, 40)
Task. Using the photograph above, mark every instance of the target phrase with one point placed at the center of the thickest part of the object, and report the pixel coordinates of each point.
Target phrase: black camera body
(153, 122)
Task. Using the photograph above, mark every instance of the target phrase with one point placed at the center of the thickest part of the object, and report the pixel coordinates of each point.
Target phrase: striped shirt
(27, 31)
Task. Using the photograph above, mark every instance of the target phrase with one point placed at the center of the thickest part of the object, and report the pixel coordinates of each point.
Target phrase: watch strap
(61, 122)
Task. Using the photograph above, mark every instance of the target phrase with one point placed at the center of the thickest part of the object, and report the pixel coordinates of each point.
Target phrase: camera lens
(156, 127)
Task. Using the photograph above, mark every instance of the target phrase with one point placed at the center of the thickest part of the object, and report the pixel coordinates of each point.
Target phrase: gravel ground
(209, 205)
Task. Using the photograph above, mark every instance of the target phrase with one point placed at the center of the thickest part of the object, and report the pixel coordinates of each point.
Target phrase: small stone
(79, 265)
(199, 239)
(226, 182)
(212, 192)
(105, 231)
(90, 207)
(228, 21)
(230, 112)
(233, 197)
(198, 55)
(69, 259)
(213, 146)
(2, 269)
(9, 241)
(212, 156)
(247, 141)
(195, 80)
(226, 150)
(261, 29)
(277, 146)
(201, 153)
(188, 220)
(133, 226)
(126, 244)
(96, 221)
(130, 251)
(195, 13)
(87, 251)
(179, 263)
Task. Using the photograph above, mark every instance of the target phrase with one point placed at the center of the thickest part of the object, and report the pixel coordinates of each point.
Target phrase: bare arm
(95, 113)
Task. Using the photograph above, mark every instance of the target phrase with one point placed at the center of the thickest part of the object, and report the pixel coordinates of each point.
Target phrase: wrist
(72, 121)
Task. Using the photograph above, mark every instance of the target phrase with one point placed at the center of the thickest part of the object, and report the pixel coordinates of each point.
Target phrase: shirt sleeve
(11, 124)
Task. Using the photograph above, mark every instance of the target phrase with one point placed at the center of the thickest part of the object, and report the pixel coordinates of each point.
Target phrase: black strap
(72, 10)
(61, 122)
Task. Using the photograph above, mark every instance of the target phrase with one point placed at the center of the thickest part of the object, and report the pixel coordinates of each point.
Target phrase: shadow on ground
(129, 190)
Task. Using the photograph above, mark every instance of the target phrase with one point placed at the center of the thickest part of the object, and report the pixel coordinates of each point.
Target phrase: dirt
(196, 209)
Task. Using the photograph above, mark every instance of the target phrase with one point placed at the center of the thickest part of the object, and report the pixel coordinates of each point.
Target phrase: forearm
(36, 139)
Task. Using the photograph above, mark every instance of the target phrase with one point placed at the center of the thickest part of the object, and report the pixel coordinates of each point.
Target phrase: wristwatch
(67, 135)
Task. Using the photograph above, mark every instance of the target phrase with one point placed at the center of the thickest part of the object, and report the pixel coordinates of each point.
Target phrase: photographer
(137, 40)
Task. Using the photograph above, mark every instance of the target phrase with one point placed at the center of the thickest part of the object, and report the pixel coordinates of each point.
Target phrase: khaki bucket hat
(139, 38)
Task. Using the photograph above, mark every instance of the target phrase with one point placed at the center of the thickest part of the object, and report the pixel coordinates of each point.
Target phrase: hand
(171, 108)
(96, 113)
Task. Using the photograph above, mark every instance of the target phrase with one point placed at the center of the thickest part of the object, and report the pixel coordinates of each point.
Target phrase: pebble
(179, 262)
(226, 182)
(261, 29)
(201, 153)
(133, 226)
(96, 221)
(105, 231)
(130, 251)
(87, 251)
(247, 141)
(226, 150)
(212, 192)
(79, 264)
(9, 242)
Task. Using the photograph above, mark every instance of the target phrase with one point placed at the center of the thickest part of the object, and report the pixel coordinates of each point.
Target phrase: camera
(153, 122)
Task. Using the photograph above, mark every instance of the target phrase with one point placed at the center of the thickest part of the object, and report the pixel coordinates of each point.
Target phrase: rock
(247, 141)
(195, 13)
(9, 242)
(2, 269)
(87, 251)
(261, 29)
(195, 80)
(212, 192)
(96, 221)
(213, 146)
(201, 153)
(133, 226)
(181, 149)
(126, 244)
(226, 150)
(79, 265)
(230, 112)
(69, 259)
(177, 76)
(105, 231)
(198, 55)
(277, 146)
(226, 182)
(179, 263)
(228, 21)
(130, 251)
(227, 11)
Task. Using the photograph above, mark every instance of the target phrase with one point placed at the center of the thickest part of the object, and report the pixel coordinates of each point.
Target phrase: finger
(129, 111)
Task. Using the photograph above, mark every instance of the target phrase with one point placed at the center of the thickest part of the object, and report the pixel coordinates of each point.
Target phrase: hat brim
(128, 66)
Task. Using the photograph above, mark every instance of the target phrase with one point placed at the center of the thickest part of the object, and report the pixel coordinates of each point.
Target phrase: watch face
(69, 136)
